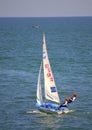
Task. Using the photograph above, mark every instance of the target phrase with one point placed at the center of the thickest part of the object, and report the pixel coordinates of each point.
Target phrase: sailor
(65, 104)
(72, 99)
(68, 100)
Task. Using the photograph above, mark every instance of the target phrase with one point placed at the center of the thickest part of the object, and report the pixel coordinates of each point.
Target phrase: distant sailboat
(52, 100)
(35, 26)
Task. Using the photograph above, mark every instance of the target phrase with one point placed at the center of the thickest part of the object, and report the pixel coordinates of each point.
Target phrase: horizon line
(41, 16)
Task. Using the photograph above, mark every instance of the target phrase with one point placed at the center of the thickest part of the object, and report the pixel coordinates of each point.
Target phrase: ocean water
(69, 44)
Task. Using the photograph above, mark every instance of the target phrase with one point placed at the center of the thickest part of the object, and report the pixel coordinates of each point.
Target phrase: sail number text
(49, 75)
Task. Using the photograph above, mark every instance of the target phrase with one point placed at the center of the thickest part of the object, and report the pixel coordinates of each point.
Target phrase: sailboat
(51, 101)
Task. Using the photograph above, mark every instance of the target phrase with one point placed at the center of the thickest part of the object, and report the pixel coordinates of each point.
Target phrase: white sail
(49, 83)
(39, 91)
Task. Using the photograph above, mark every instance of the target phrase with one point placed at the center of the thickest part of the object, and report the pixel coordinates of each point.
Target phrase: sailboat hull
(47, 110)
(50, 108)
(53, 111)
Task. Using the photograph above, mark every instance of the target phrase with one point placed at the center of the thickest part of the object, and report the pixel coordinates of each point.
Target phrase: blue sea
(69, 44)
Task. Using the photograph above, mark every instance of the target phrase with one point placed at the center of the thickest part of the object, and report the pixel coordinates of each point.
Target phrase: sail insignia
(53, 89)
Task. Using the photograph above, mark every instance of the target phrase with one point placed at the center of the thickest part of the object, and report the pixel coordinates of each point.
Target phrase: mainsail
(39, 91)
(49, 83)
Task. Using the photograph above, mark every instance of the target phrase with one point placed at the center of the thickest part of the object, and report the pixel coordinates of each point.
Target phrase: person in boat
(65, 104)
(72, 99)
(68, 100)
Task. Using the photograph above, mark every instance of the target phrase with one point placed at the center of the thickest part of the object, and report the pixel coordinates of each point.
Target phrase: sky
(45, 8)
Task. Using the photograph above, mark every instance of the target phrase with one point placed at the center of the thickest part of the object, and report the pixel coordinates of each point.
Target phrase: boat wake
(34, 112)
(39, 112)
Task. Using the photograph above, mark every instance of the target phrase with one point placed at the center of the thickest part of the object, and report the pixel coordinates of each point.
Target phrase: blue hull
(51, 108)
